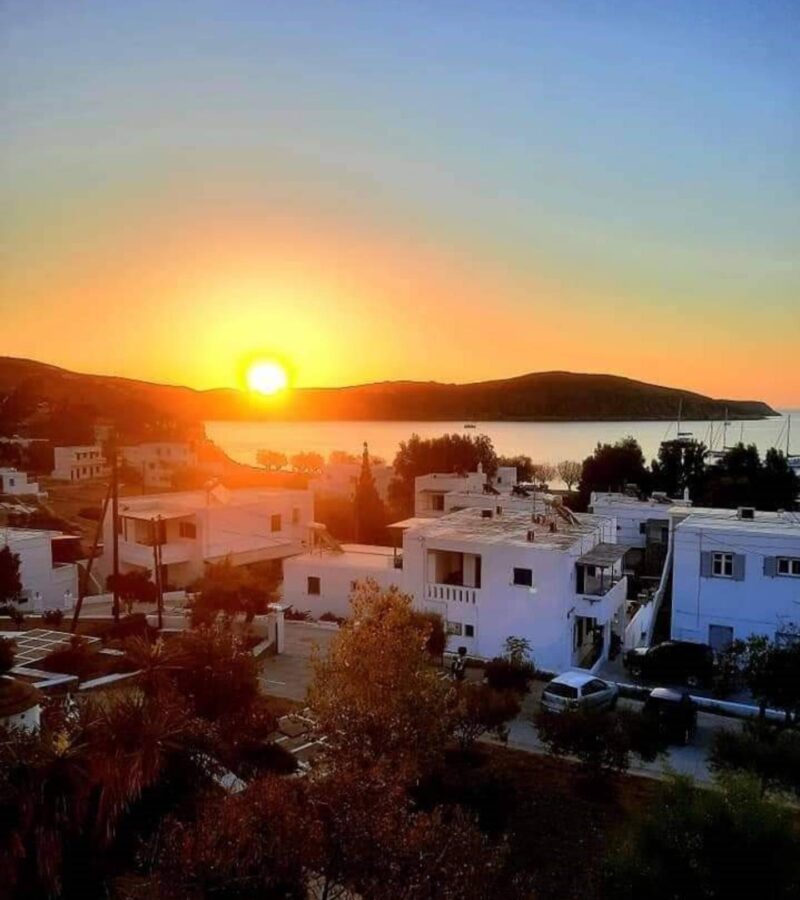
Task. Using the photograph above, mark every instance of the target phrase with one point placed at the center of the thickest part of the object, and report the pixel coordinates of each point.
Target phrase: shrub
(770, 753)
(297, 615)
(134, 625)
(481, 710)
(332, 617)
(52, 617)
(7, 650)
(14, 613)
(93, 513)
(76, 659)
(504, 675)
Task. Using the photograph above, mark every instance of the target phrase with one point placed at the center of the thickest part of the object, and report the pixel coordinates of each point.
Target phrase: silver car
(573, 690)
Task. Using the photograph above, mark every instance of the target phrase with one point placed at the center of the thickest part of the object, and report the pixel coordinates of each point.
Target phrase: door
(720, 637)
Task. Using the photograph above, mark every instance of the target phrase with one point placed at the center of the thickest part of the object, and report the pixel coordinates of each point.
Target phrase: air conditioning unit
(747, 512)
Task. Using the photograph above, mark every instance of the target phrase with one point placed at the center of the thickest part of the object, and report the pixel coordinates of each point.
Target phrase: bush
(52, 617)
(93, 513)
(14, 613)
(770, 753)
(134, 625)
(481, 710)
(7, 650)
(504, 675)
(297, 615)
(332, 617)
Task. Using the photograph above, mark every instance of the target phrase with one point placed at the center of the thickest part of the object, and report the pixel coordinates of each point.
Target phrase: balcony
(142, 554)
(451, 593)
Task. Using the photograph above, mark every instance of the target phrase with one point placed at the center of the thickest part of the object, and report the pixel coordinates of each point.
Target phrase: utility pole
(115, 521)
(156, 523)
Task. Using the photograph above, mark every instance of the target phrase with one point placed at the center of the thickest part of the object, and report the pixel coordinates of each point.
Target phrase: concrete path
(289, 674)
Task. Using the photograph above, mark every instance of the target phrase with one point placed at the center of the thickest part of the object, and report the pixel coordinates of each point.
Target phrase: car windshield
(561, 690)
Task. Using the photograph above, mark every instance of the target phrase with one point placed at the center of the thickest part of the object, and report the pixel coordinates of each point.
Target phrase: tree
(455, 453)
(696, 843)
(612, 467)
(770, 670)
(681, 465)
(342, 458)
(569, 471)
(235, 589)
(377, 694)
(10, 582)
(543, 473)
(741, 479)
(307, 463)
(436, 643)
(7, 651)
(370, 515)
(271, 460)
(133, 585)
(523, 464)
(481, 709)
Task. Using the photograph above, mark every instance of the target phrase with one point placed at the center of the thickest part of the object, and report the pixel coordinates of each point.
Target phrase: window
(469, 631)
(523, 577)
(314, 585)
(722, 565)
(455, 628)
(642, 527)
(787, 565)
(275, 522)
(561, 690)
(593, 687)
(187, 530)
(437, 502)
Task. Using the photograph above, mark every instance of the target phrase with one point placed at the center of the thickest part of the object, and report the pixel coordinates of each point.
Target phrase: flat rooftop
(781, 523)
(149, 506)
(510, 527)
(365, 556)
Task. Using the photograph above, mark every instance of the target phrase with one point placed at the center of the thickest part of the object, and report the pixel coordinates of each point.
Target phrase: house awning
(603, 555)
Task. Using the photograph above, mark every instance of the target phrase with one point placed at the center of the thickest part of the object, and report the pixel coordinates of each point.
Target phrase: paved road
(289, 674)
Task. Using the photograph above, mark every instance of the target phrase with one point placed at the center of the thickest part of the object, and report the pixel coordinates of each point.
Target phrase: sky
(444, 190)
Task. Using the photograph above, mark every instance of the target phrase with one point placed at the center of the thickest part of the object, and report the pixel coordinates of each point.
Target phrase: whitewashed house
(16, 483)
(554, 578)
(46, 583)
(158, 461)
(431, 490)
(322, 580)
(79, 463)
(735, 573)
(244, 526)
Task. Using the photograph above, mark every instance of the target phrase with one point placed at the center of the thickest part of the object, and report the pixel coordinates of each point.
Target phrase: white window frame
(722, 564)
(791, 565)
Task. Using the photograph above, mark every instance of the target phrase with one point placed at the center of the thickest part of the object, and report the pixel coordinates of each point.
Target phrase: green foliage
(457, 453)
(7, 650)
(613, 466)
(698, 843)
(742, 479)
(232, 589)
(271, 460)
(10, 582)
(436, 643)
(515, 669)
(369, 512)
(307, 463)
(481, 709)
(681, 464)
(523, 464)
(770, 754)
(134, 585)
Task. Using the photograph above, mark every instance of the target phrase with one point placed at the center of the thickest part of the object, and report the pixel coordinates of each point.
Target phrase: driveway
(689, 760)
(289, 674)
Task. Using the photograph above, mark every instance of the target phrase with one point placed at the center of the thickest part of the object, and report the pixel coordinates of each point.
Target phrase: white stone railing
(451, 593)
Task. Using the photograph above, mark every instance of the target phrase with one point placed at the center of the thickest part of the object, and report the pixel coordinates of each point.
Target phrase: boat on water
(469, 425)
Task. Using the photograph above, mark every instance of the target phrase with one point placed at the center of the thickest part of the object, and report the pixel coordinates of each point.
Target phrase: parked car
(573, 690)
(676, 662)
(673, 713)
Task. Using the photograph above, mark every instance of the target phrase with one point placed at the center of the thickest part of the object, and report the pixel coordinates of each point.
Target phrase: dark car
(672, 714)
(675, 662)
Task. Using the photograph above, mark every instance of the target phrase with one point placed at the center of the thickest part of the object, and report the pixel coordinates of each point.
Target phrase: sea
(542, 441)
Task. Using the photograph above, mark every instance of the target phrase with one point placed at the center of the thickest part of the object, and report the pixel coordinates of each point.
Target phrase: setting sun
(267, 377)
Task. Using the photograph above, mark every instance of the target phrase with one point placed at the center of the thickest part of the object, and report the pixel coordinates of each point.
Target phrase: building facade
(736, 573)
(193, 528)
(14, 482)
(158, 461)
(79, 463)
(46, 583)
(340, 480)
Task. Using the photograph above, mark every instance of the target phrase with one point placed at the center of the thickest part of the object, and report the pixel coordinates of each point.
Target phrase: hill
(34, 392)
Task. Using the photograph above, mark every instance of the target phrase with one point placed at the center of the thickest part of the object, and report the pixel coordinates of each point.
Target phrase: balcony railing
(454, 593)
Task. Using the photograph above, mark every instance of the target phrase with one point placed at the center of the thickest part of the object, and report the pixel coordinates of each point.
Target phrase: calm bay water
(542, 441)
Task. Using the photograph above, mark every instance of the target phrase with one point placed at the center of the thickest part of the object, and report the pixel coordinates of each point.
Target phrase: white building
(322, 580)
(735, 573)
(79, 463)
(157, 461)
(430, 490)
(12, 481)
(244, 526)
(555, 579)
(46, 584)
(340, 480)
